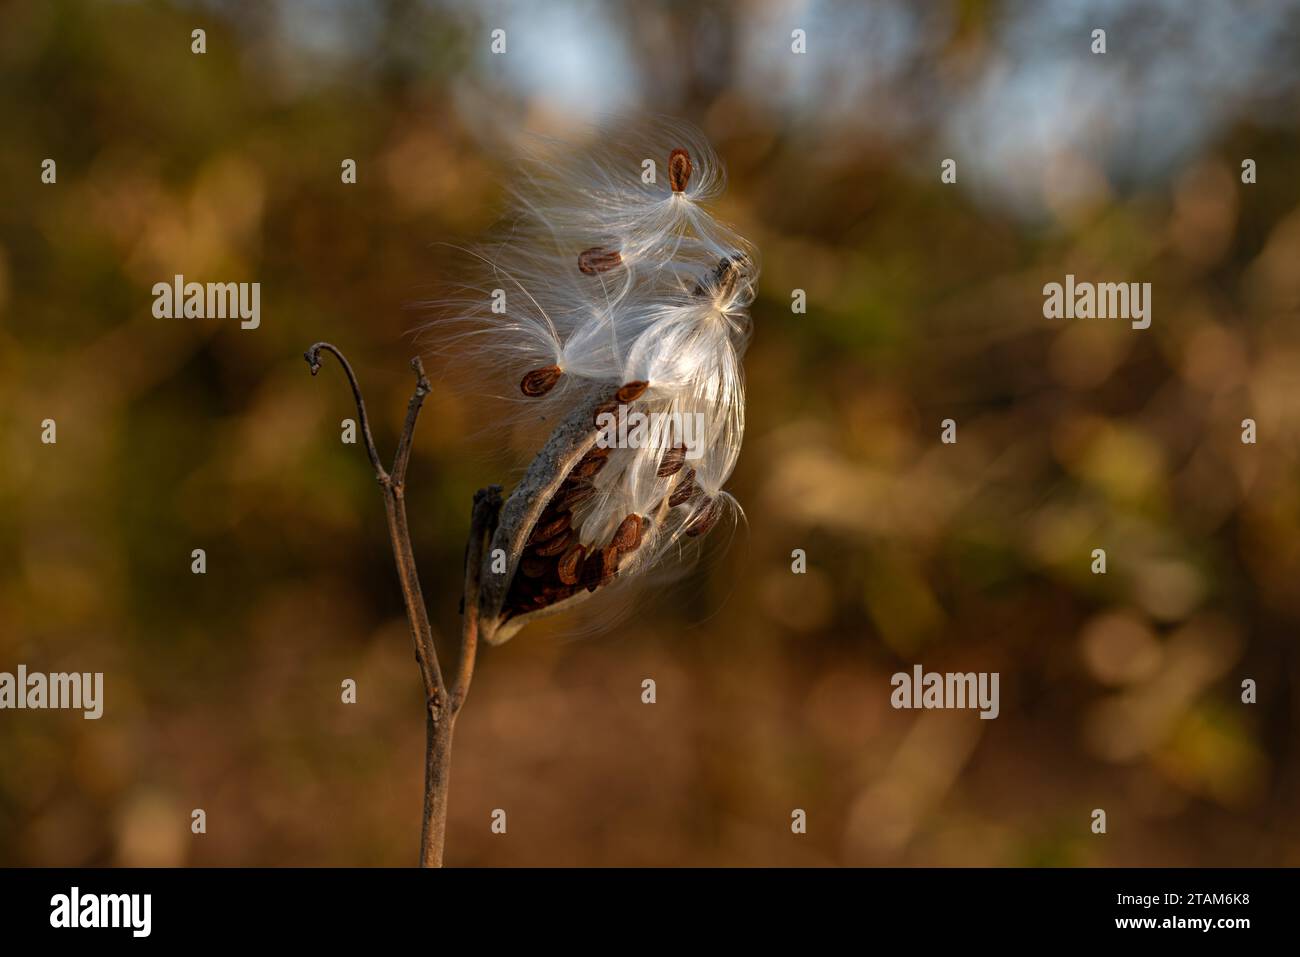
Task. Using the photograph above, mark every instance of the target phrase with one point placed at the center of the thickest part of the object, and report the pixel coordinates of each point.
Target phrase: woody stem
(441, 707)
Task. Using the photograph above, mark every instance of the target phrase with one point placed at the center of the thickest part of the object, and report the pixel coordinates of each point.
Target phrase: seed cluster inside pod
(556, 563)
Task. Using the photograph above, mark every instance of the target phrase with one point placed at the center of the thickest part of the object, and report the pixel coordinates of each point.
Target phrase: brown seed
(600, 567)
(589, 464)
(556, 593)
(705, 518)
(523, 588)
(548, 527)
(727, 285)
(554, 546)
(628, 534)
(572, 492)
(609, 567)
(631, 392)
(524, 605)
(721, 281)
(605, 408)
(521, 599)
(593, 569)
(527, 587)
(679, 170)
(570, 565)
(596, 260)
(586, 468)
(684, 491)
(533, 566)
(672, 461)
(540, 381)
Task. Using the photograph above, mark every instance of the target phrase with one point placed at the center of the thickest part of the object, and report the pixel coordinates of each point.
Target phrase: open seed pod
(625, 298)
(509, 600)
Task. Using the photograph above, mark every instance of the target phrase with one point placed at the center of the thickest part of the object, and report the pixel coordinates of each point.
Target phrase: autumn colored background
(1119, 691)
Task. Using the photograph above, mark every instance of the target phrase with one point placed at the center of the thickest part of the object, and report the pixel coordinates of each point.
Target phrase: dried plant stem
(442, 705)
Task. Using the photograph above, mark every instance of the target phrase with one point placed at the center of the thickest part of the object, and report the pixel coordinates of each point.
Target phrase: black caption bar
(333, 907)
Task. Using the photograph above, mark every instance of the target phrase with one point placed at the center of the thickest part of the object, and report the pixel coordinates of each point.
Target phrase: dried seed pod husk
(684, 491)
(540, 381)
(597, 260)
(556, 545)
(569, 568)
(631, 391)
(679, 170)
(672, 461)
(628, 534)
(705, 517)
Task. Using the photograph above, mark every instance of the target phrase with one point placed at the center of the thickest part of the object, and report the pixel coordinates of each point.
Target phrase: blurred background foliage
(1119, 691)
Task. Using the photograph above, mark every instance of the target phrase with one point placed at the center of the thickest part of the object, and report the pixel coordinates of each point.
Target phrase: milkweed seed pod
(626, 324)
